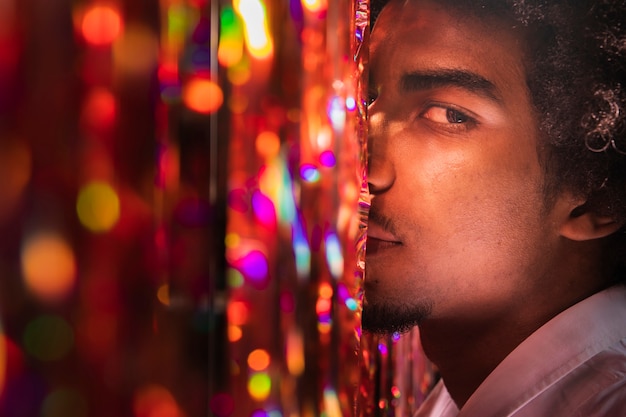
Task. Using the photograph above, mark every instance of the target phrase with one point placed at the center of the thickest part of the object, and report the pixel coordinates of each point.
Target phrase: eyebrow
(427, 80)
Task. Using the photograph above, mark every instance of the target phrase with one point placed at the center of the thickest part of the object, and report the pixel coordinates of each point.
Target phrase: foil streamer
(295, 175)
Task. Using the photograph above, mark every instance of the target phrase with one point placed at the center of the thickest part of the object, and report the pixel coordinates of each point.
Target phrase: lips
(379, 238)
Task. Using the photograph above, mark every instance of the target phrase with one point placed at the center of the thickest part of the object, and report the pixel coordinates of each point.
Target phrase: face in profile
(459, 228)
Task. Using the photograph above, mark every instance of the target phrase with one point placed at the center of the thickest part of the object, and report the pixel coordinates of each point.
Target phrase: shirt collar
(543, 358)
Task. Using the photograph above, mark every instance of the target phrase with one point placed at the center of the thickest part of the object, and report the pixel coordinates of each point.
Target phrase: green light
(48, 338)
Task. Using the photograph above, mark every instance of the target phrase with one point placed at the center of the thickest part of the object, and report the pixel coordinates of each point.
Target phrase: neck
(466, 350)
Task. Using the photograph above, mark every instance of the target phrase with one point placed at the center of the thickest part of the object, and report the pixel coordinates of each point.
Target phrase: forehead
(409, 35)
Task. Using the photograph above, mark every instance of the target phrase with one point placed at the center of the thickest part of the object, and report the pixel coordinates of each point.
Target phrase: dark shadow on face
(388, 318)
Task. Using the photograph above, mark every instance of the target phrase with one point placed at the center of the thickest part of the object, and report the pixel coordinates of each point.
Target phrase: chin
(389, 319)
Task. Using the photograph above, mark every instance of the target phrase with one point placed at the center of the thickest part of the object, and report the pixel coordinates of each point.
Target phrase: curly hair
(575, 69)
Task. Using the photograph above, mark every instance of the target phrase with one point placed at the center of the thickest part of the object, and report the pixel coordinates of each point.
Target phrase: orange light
(267, 144)
(325, 290)
(202, 96)
(163, 294)
(258, 360)
(101, 25)
(234, 333)
(48, 266)
(155, 401)
(295, 353)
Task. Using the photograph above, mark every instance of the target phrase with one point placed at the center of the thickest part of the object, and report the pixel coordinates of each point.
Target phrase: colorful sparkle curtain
(183, 212)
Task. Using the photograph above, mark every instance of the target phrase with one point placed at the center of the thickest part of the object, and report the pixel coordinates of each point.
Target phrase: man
(498, 187)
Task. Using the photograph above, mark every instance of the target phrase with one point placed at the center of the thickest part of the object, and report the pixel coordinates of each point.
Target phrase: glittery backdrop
(183, 212)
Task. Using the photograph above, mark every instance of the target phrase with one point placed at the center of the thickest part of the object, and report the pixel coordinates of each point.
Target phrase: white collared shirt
(572, 366)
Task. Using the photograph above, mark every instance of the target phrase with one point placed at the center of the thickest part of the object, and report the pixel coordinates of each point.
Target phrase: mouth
(380, 238)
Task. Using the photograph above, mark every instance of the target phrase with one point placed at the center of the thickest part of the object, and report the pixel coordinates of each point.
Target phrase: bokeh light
(315, 6)
(65, 402)
(327, 159)
(202, 95)
(237, 313)
(259, 386)
(154, 400)
(135, 53)
(267, 144)
(234, 333)
(230, 49)
(258, 360)
(257, 35)
(222, 404)
(264, 209)
(48, 266)
(98, 206)
(163, 294)
(309, 173)
(48, 338)
(15, 171)
(101, 25)
(100, 109)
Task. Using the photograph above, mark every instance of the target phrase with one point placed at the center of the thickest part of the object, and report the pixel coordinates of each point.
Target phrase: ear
(583, 223)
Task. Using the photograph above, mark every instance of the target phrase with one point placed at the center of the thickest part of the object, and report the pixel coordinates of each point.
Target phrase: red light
(101, 25)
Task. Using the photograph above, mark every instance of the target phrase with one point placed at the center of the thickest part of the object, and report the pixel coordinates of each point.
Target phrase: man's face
(459, 228)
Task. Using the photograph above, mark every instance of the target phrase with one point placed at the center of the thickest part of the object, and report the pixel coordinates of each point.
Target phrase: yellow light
(232, 240)
(257, 34)
(270, 181)
(98, 206)
(203, 96)
(315, 5)
(48, 266)
(258, 360)
(240, 73)
(259, 386)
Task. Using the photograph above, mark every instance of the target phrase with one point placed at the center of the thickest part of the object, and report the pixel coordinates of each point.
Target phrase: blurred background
(107, 230)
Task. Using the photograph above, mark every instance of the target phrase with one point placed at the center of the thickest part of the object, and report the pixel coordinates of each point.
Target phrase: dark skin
(461, 239)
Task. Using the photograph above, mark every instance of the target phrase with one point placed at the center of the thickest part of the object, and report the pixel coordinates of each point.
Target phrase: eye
(448, 118)
(446, 115)
(372, 95)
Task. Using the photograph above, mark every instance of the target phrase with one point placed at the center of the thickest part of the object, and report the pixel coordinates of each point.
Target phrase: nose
(381, 173)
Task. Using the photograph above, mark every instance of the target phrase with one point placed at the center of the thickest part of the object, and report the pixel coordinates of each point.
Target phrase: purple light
(254, 267)
(327, 159)
(309, 173)
(263, 209)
